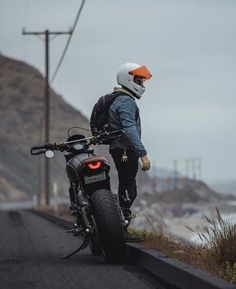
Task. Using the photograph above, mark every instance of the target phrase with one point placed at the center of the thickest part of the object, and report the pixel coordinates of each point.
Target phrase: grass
(196, 256)
(221, 239)
(229, 273)
(217, 255)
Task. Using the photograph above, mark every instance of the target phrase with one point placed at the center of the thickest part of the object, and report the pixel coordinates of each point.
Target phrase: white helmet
(132, 76)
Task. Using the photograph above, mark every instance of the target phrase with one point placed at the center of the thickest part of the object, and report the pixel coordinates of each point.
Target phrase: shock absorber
(82, 199)
(83, 204)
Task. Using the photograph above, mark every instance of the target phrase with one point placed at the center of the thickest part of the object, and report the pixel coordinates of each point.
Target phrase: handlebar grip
(104, 136)
(38, 150)
(112, 135)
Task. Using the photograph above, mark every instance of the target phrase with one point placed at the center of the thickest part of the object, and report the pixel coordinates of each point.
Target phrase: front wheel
(109, 225)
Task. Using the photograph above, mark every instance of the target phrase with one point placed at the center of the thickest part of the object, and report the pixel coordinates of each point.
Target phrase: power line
(68, 41)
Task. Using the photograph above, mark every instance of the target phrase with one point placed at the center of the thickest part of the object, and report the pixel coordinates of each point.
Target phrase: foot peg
(75, 231)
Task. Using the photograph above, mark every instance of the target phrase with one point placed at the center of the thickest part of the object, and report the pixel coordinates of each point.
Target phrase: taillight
(94, 165)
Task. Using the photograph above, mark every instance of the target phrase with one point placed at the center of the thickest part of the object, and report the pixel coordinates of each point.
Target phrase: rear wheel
(109, 226)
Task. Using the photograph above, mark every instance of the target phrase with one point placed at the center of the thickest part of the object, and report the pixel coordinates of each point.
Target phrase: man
(124, 114)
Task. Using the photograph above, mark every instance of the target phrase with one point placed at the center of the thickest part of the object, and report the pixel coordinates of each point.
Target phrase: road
(30, 257)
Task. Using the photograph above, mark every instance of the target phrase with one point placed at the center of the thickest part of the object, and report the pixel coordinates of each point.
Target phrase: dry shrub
(221, 239)
(157, 226)
(155, 232)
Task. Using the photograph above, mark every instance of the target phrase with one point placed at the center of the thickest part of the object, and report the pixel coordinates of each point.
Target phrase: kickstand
(83, 245)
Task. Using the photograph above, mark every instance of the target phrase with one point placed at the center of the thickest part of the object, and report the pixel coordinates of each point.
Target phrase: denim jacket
(124, 114)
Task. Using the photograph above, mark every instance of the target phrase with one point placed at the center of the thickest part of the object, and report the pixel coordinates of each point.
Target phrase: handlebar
(38, 150)
(98, 139)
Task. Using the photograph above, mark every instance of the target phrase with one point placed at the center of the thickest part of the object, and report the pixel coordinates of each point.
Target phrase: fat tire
(110, 227)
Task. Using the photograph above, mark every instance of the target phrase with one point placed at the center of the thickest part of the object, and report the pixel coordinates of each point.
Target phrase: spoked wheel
(110, 227)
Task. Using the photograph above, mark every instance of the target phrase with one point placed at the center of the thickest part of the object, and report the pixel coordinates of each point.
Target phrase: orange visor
(142, 72)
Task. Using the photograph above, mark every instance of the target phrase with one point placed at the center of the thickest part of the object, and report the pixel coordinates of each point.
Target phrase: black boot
(128, 215)
(132, 238)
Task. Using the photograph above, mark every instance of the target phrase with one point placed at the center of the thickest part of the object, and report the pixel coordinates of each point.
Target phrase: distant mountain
(22, 126)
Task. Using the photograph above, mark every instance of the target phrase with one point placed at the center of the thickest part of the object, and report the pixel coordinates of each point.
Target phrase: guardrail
(172, 271)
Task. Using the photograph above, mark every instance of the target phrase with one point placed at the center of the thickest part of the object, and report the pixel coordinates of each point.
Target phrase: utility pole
(193, 169)
(175, 174)
(187, 168)
(47, 34)
(199, 168)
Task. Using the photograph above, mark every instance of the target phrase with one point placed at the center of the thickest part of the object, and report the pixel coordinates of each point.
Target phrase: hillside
(22, 96)
(22, 126)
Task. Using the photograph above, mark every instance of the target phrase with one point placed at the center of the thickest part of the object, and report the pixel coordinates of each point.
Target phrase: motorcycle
(98, 217)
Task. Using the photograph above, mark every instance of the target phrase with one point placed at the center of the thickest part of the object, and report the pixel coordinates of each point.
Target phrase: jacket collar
(122, 89)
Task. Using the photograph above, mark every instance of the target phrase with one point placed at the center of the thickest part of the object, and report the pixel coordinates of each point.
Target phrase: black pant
(127, 172)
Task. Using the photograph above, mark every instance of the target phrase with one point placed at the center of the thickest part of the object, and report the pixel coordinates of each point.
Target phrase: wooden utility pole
(175, 162)
(199, 168)
(193, 168)
(47, 34)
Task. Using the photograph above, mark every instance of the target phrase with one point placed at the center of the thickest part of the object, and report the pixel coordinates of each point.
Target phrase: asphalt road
(30, 257)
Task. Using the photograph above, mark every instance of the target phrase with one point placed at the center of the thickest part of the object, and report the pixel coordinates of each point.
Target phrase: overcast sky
(189, 108)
